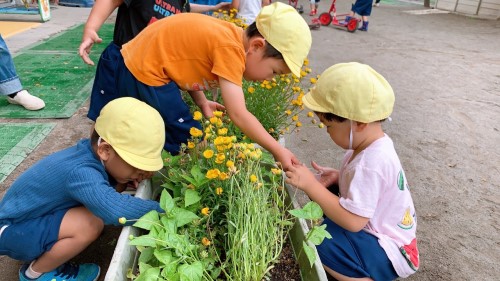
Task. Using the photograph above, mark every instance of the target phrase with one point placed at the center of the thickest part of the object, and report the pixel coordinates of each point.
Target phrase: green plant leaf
(311, 211)
(144, 240)
(164, 256)
(146, 255)
(148, 220)
(191, 197)
(310, 253)
(150, 274)
(198, 176)
(169, 224)
(317, 234)
(183, 217)
(191, 272)
(166, 201)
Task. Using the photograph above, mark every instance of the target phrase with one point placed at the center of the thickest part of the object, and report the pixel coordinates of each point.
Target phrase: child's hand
(89, 38)
(208, 108)
(300, 176)
(329, 175)
(222, 6)
(287, 159)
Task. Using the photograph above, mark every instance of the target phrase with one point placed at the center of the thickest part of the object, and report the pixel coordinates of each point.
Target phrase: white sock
(30, 273)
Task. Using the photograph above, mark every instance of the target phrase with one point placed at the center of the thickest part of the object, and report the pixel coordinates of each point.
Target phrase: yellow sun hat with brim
(353, 91)
(135, 130)
(285, 29)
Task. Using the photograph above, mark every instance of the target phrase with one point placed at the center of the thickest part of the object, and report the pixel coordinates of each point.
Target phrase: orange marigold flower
(205, 242)
(223, 176)
(208, 153)
(229, 163)
(310, 114)
(220, 158)
(276, 171)
(222, 131)
(313, 80)
(251, 90)
(205, 211)
(298, 124)
(190, 145)
(218, 113)
(212, 174)
(295, 118)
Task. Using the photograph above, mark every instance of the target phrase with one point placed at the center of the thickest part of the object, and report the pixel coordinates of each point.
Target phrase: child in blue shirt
(60, 205)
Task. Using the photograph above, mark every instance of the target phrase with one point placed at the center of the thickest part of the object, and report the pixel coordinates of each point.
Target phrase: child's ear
(104, 150)
(257, 43)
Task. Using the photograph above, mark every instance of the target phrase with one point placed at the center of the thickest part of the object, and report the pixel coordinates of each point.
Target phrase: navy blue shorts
(362, 7)
(113, 80)
(28, 240)
(355, 254)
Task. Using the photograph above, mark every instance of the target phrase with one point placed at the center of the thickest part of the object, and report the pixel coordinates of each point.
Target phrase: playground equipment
(43, 8)
(336, 20)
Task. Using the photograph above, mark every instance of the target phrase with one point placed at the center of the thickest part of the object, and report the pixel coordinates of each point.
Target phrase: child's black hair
(270, 51)
(332, 117)
(94, 138)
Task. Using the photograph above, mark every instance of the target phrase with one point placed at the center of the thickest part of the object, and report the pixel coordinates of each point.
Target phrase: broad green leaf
(317, 234)
(183, 217)
(191, 272)
(198, 176)
(189, 179)
(144, 240)
(169, 224)
(146, 255)
(143, 267)
(311, 211)
(310, 253)
(191, 197)
(148, 220)
(166, 201)
(164, 256)
(150, 274)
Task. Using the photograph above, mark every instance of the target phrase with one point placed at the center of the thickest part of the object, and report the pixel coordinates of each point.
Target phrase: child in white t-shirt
(372, 219)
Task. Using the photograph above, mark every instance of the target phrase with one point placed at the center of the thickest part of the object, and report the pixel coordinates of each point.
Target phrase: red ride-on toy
(337, 20)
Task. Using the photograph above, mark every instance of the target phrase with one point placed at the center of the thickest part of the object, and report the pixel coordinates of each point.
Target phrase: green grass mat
(17, 141)
(53, 71)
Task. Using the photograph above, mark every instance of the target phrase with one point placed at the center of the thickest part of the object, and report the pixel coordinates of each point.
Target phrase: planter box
(125, 255)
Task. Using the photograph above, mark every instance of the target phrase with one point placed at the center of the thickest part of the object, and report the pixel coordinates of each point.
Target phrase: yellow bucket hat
(135, 130)
(353, 91)
(285, 29)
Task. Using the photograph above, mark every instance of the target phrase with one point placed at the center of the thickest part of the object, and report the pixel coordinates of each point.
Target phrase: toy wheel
(293, 3)
(352, 25)
(325, 19)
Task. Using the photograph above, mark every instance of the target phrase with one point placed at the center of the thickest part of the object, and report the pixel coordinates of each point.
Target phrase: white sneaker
(376, 5)
(27, 100)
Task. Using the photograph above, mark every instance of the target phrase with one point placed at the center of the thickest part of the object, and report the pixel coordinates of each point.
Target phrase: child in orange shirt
(194, 52)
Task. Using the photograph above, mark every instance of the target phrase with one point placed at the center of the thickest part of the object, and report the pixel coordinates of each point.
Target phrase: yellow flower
(313, 80)
(253, 178)
(122, 220)
(295, 118)
(205, 242)
(229, 163)
(208, 153)
(197, 115)
(195, 132)
(306, 61)
(214, 120)
(212, 174)
(310, 114)
(220, 158)
(205, 211)
(218, 190)
(223, 176)
(321, 125)
(303, 73)
(276, 171)
(288, 112)
(251, 90)
(222, 131)
(298, 124)
(190, 144)
(218, 113)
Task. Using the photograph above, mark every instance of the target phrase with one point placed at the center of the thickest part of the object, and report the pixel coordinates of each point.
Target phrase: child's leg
(354, 255)
(79, 228)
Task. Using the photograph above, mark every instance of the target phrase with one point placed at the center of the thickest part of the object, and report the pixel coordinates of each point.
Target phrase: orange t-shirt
(193, 50)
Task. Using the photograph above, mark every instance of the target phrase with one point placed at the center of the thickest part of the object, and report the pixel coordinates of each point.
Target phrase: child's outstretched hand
(208, 108)
(300, 176)
(329, 175)
(89, 38)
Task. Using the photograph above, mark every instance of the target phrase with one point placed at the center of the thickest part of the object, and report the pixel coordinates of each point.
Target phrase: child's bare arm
(301, 177)
(234, 101)
(198, 8)
(100, 12)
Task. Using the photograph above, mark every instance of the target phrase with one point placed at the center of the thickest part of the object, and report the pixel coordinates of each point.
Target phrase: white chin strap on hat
(99, 143)
(350, 136)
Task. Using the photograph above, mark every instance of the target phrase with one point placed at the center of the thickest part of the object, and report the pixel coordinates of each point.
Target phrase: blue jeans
(9, 82)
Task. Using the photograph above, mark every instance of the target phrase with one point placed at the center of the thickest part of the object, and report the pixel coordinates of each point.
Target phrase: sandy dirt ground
(445, 71)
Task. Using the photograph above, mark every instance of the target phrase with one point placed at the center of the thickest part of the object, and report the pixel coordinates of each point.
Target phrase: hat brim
(311, 103)
(139, 162)
(294, 68)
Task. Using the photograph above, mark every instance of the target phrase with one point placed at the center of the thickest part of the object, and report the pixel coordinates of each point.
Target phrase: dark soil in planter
(287, 267)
